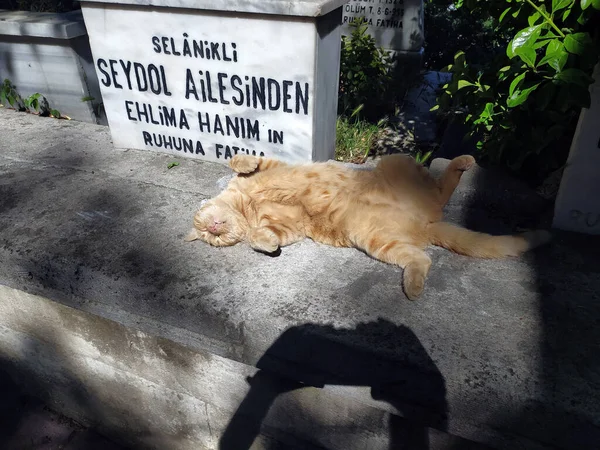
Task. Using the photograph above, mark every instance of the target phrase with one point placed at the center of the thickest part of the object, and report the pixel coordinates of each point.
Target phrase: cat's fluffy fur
(392, 212)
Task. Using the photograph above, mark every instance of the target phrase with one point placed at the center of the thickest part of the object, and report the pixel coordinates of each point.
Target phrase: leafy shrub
(365, 76)
(523, 105)
(450, 29)
(35, 103)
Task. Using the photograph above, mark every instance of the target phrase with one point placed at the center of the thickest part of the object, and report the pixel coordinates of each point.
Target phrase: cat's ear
(192, 235)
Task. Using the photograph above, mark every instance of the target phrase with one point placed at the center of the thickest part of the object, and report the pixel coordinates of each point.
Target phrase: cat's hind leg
(449, 180)
(412, 259)
(398, 163)
(248, 164)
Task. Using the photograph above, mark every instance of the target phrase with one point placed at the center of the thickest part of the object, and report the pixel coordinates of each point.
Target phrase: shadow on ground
(28, 423)
(318, 355)
(27, 420)
(561, 412)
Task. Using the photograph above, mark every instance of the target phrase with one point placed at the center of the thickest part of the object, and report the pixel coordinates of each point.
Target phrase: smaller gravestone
(396, 25)
(578, 202)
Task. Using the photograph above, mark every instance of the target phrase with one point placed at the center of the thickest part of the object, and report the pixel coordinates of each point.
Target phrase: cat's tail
(481, 245)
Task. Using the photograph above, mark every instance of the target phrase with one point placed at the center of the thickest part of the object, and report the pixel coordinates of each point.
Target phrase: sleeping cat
(391, 212)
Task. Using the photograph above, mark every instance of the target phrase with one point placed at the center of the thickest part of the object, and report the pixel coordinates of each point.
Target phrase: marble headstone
(220, 79)
(577, 205)
(396, 25)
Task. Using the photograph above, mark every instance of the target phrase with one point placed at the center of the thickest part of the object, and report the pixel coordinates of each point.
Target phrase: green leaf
(551, 35)
(596, 4)
(563, 99)
(554, 46)
(489, 109)
(527, 54)
(55, 113)
(509, 50)
(545, 95)
(566, 14)
(460, 58)
(556, 117)
(463, 84)
(585, 4)
(574, 76)
(172, 164)
(555, 60)
(357, 110)
(572, 95)
(532, 19)
(516, 83)
(556, 56)
(434, 108)
(525, 38)
(580, 97)
(577, 42)
(485, 115)
(557, 5)
(520, 96)
(582, 19)
(555, 131)
(504, 13)
(541, 43)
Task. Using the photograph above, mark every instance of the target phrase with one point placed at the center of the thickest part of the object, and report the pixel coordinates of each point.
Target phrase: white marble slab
(577, 206)
(307, 8)
(201, 85)
(396, 25)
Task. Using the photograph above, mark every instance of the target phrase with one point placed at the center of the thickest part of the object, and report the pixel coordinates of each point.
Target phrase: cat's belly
(333, 239)
(328, 228)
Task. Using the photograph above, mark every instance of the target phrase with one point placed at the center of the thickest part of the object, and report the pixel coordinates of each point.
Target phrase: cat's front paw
(463, 163)
(263, 240)
(243, 163)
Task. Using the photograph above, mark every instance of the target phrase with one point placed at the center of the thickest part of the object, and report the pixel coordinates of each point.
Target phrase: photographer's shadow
(386, 357)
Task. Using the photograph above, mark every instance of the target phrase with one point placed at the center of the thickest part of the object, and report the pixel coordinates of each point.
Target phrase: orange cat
(391, 212)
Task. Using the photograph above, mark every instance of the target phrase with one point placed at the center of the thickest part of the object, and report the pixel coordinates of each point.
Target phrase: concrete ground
(124, 322)
(28, 424)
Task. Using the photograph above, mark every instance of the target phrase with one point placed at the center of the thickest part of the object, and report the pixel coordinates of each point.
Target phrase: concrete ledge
(97, 282)
(44, 25)
(148, 391)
